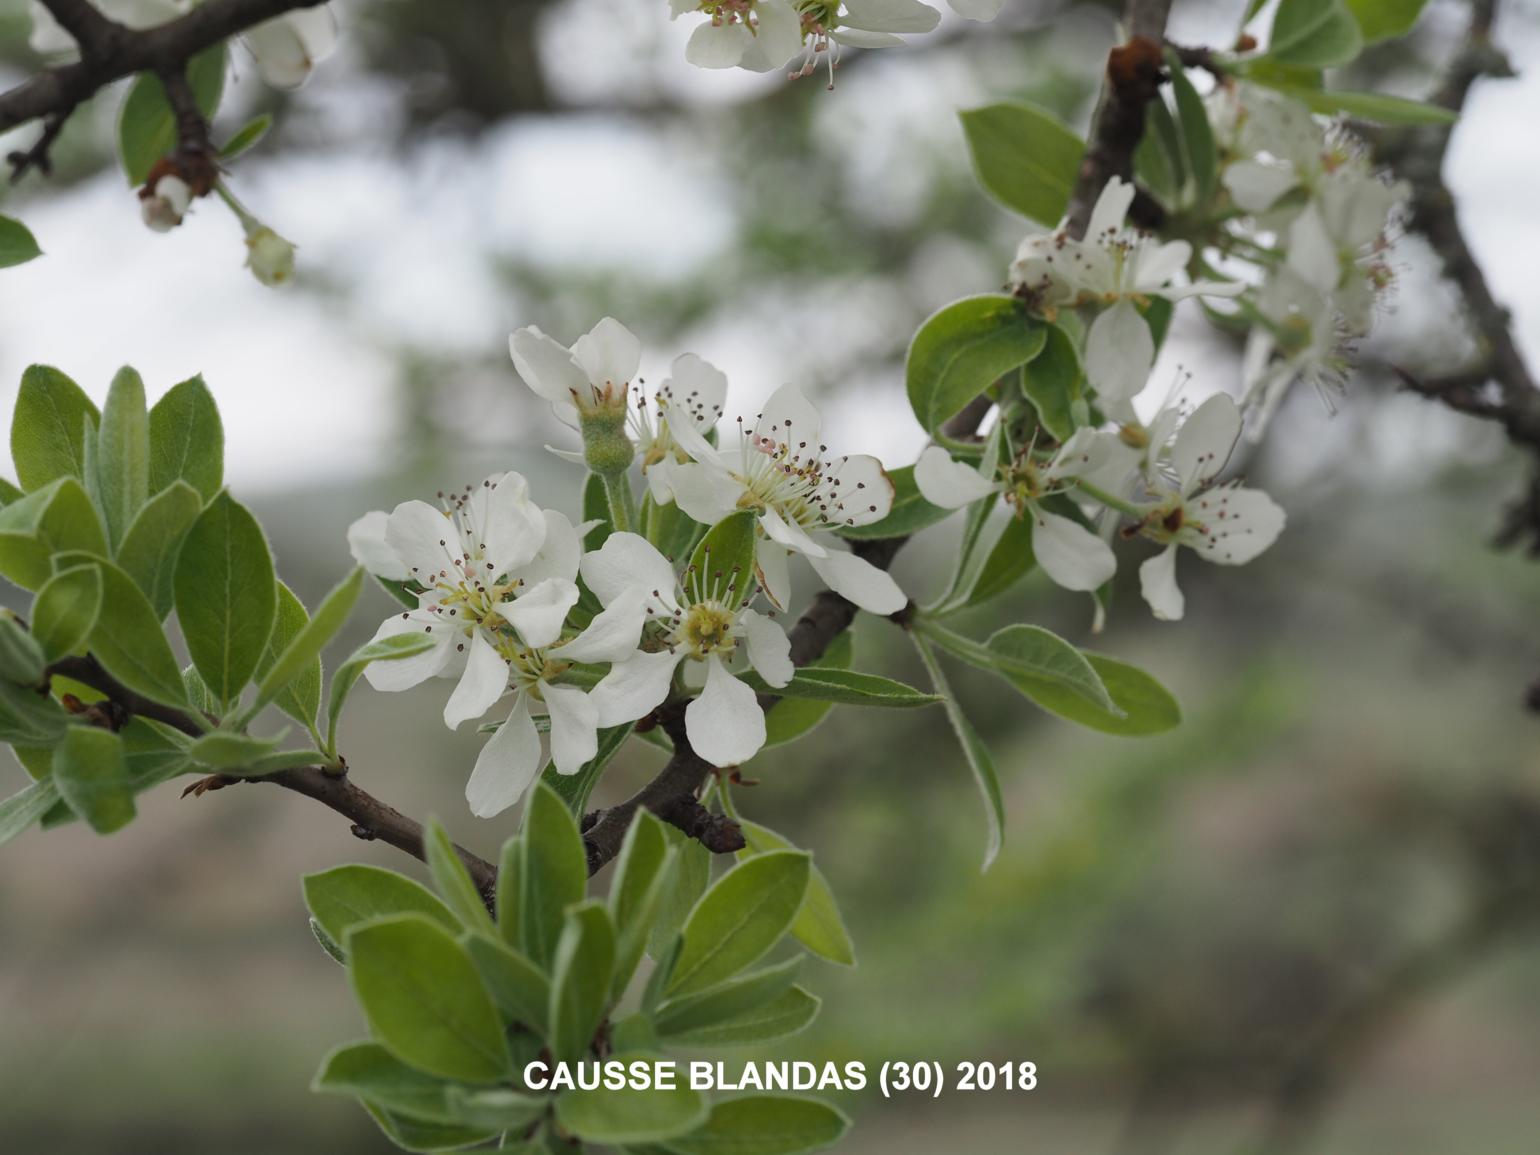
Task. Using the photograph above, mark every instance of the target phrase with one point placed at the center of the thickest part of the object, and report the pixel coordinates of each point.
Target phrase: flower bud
(607, 450)
(164, 203)
(269, 257)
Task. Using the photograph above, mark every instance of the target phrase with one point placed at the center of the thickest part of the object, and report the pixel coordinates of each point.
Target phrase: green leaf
(346, 896)
(643, 872)
(248, 136)
(510, 888)
(123, 454)
(147, 124)
(784, 1016)
(910, 513)
(328, 944)
(226, 596)
(1025, 158)
(48, 430)
(21, 656)
(453, 879)
(1031, 651)
(1385, 19)
(300, 696)
(224, 750)
(128, 639)
(554, 873)
(727, 1000)
(581, 972)
(187, 440)
(424, 999)
(515, 984)
(9, 493)
(687, 882)
(790, 718)
(824, 684)
(1052, 382)
(17, 244)
(980, 763)
(1158, 163)
(1146, 706)
(57, 519)
(725, 557)
(596, 507)
(764, 1125)
(22, 809)
(961, 351)
(89, 770)
(1009, 560)
(420, 1135)
(297, 667)
(574, 789)
(149, 550)
(739, 919)
(28, 718)
(369, 1071)
(385, 650)
(1371, 106)
(1314, 33)
(1197, 134)
(629, 1115)
(818, 925)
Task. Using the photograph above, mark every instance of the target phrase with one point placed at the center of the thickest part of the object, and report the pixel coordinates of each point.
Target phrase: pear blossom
(497, 579)
(693, 394)
(699, 617)
(1227, 524)
(1119, 268)
(594, 374)
(1300, 337)
(269, 256)
(1069, 553)
(784, 473)
(285, 48)
(759, 35)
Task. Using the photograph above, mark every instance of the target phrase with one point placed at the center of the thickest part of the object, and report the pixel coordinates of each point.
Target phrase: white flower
(692, 394)
(594, 373)
(703, 617)
(1067, 551)
(1299, 338)
(782, 472)
(1114, 266)
(164, 206)
(497, 577)
(269, 256)
(759, 35)
(285, 48)
(1227, 525)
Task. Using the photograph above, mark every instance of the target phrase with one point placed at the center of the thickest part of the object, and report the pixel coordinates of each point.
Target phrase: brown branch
(371, 818)
(112, 52)
(672, 793)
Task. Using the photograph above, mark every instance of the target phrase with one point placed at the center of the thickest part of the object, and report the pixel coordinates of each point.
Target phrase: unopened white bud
(164, 205)
(269, 257)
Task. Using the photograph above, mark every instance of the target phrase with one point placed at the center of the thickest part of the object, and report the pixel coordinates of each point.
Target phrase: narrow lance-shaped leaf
(852, 687)
(123, 454)
(298, 660)
(22, 810)
(581, 970)
(453, 879)
(48, 428)
(149, 549)
(980, 763)
(739, 919)
(554, 872)
(642, 875)
(347, 896)
(187, 440)
(347, 675)
(818, 925)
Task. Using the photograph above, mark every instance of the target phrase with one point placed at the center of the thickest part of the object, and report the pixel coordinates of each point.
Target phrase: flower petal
(725, 724)
(484, 681)
(1110, 210)
(981, 10)
(627, 561)
(424, 538)
(947, 483)
(715, 45)
(889, 16)
(695, 390)
(777, 38)
(1157, 582)
(1069, 553)
(546, 365)
(1241, 523)
(858, 580)
(539, 613)
(789, 419)
(559, 554)
(609, 353)
(856, 491)
(1311, 252)
(1255, 185)
(574, 727)
(1119, 352)
(705, 492)
(512, 528)
(367, 544)
(507, 764)
(404, 673)
(634, 688)
(287, 47)
(771, 570)
(793, 537)
(1204, 442)
(614, 633)
(769, 648)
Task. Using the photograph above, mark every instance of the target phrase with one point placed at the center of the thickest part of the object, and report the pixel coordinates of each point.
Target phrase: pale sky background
(307, 383)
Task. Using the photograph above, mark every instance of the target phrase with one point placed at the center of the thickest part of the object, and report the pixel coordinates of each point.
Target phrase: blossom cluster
(520, 611)
(766, 35)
